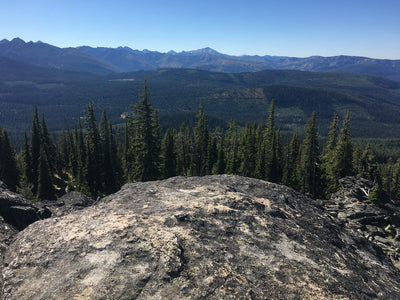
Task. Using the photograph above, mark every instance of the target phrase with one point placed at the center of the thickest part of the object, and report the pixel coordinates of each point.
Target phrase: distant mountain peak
(18, 40)
(201, 51)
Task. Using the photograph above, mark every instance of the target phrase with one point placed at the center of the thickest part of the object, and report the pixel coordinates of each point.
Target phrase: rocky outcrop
(214, 237)
(377, 223)
(66, 204)
(16, 210)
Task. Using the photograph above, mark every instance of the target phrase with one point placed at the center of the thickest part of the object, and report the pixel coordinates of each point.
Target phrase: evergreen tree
(8, 164)
(168, 155)
(220, 165)
(232, 148)
(109, 184)
(291, 174)
(35, 149)
(343, 154)
(247, 151)
(93, 153)
(368, 166)
(278, 156)
(311, 162)
(46, 189)
(329, 177)
(259, 171)
(271, 163)
(48, 146)
(145, 140)
(26, 184)
(201, 138)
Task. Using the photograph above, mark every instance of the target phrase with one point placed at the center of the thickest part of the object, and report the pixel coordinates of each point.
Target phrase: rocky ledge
(214, 237)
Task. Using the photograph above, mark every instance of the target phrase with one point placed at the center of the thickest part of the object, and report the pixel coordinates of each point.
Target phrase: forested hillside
(373, 102)
(90, 158)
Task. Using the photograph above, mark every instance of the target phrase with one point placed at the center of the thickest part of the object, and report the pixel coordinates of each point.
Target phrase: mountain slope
(50, 56)
(374, 102)
(123, 59)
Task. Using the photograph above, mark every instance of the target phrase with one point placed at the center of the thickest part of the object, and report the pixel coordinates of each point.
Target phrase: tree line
(91, 159)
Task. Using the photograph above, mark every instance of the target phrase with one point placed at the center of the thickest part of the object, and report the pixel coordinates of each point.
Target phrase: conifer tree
(311, 162)
(291, 175)
(109, 184)
(259, 171)
(343, 154)
(232, 148)
(220, 165)
(35, 149)
(168, 155)
(8, 164)
(93, 153)
(145, 140)
(201, 138)
(48, 146)
(247, 151)
(46, 189)
(270, 146)
(329, 177)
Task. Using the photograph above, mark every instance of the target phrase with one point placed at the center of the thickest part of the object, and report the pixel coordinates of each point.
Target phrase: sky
(283, 27)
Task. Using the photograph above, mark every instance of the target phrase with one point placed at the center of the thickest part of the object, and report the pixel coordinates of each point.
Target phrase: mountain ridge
(124, 59)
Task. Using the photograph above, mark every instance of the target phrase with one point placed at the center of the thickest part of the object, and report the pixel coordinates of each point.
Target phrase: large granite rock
(215, 237)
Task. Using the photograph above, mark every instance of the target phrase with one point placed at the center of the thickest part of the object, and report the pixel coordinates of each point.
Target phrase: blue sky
(283, 27)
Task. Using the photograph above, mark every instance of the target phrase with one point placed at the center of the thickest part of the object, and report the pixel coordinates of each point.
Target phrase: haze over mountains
(124, 59)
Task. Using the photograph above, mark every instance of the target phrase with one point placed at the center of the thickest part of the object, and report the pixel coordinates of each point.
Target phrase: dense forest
(97, 159)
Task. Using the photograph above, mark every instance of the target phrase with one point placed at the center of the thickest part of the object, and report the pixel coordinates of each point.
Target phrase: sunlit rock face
(213, 237)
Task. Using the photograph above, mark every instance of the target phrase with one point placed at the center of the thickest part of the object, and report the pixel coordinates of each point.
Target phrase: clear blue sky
(282, 27)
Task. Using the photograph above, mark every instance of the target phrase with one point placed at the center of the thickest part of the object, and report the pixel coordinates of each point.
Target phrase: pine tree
(93, 153)
(329, 177)
(343, 153)
(271, 164)
(232, 148)
(108, 180)
(247, 151)
(8, 164)
(220, 165)
(291, 174)
(35, 149)
(311, 162)
(46, 189)
(48, 146)
(145, 140)
(260, 156)
(201, 139)
(168, 155)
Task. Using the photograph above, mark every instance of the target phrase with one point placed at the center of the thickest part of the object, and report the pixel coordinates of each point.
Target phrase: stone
(66, 204)
(213, 237)
(16, 210)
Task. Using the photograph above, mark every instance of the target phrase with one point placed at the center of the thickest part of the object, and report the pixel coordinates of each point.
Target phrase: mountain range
(104, 60)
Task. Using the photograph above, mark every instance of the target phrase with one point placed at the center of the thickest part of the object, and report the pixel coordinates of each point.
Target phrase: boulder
(378, 223)
(16, 210)
(66, 204)
(213, 237)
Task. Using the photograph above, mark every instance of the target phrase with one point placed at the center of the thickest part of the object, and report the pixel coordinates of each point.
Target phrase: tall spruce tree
(271, 163)
(311, 161)
(329, 177)
(146, 139)
(291, 175)
(201, 139)
(168, 155)
(8, 165)
(93, 153)
(35, 149)
(46, 190)
(343, 153)
(232, 148)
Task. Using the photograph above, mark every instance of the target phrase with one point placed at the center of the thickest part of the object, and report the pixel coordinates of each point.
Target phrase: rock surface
(16, 210)
(214, 237)
(378, 223)
(66, 204)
